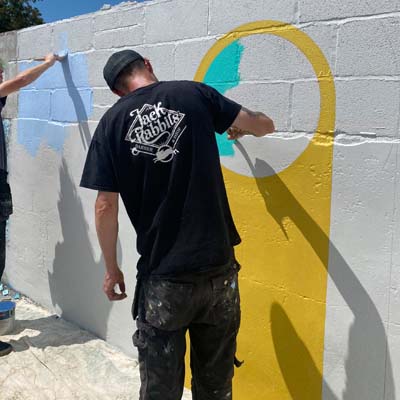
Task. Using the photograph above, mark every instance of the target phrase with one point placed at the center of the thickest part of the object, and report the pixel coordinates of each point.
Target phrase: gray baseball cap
(116, 63)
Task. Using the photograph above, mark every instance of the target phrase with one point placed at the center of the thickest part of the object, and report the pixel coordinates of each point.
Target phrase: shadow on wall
(79, 106)
(77, 278)
(367, 338)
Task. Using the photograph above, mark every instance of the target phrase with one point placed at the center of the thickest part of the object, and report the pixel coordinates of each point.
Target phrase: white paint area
(360, 359)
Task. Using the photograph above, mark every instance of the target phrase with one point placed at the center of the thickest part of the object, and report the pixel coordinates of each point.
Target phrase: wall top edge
(124, 6)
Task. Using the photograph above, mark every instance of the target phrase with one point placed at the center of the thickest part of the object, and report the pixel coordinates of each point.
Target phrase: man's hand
(51, 58)
(235, 133)
(251, 123)
(112, 279)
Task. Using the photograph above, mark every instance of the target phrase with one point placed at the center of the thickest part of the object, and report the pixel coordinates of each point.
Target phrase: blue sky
(54, 10)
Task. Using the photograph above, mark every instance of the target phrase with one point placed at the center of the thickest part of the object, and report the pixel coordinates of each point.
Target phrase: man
(156, 147)
(6, 88)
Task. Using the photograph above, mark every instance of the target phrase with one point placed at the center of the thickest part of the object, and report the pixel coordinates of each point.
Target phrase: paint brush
(61, 56)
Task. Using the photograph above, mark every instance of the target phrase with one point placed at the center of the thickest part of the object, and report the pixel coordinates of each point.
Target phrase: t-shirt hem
(98, 187)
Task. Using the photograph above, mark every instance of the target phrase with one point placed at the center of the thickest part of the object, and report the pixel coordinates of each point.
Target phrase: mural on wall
(286, 247)
(284, 275)
(62, 96)
(282, 209)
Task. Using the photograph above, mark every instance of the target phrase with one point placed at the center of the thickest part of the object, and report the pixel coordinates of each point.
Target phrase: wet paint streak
(224, 75)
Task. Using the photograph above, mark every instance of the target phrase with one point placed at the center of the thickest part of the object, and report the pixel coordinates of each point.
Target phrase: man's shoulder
(182, 84)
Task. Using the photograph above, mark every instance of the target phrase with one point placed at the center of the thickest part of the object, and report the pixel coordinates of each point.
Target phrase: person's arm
(106, 216)
(250, 123)
(26, 77)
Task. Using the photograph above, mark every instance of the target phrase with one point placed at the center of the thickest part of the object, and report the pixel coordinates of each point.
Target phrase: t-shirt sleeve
(224, 110)
(98, 172)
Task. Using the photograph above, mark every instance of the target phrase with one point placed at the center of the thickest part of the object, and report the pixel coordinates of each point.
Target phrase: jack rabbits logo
(156, 131)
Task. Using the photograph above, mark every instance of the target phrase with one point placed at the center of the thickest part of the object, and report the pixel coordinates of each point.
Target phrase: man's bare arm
(26, 77)
(251, 123)
(106, 216)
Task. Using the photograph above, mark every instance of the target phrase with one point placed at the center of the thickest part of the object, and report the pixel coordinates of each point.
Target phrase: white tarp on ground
(53, 359)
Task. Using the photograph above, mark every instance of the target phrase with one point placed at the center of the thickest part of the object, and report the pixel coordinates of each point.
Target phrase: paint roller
(61, 56)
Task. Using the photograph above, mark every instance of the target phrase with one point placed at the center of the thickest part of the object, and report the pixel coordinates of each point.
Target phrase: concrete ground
(55, 360)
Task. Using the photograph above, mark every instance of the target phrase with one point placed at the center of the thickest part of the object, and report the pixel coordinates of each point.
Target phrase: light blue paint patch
(55, 136)
(33, 133)
(61, 96)
(224, 75)
(34, 104)
(71, 106)
(73, 70)
(53, 78)
(79, 70)
(62, 42)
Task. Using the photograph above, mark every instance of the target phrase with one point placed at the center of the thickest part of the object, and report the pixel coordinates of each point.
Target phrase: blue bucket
(7, 317)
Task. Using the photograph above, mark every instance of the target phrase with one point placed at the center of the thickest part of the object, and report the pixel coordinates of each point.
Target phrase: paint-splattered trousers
(206, 306)
(5, 211)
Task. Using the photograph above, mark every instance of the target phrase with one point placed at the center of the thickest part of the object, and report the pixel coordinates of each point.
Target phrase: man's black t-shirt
(156, 147)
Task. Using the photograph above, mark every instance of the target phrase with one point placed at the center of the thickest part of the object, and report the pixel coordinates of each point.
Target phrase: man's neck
(140, 82)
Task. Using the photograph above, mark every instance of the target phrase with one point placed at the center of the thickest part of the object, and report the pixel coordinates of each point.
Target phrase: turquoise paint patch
(224, 75)
(6, 127)
(61, 96)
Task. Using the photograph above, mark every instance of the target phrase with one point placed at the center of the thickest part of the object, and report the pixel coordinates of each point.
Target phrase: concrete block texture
(161, 58)
(368, 106)
(121, 37)
(227, 15)
(394, 310)
(8, 46)
(369, 47)
(305, 106)
(35, 42)
(11, 109)
(363, 190)
(134, 15)
(96, 62)
(75, 35)
(181, 19)
(104, 97)
(188, 56)
(270, 98)
(336, 9)
(269, 57)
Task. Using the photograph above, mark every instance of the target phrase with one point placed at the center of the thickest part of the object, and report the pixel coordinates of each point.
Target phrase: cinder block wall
(320, 225)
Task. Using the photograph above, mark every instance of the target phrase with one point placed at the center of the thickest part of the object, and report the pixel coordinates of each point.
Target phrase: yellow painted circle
(326, 123)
